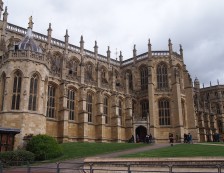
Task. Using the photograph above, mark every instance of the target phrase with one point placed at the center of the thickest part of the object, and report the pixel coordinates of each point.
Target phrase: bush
(44, 147)
(18, 157)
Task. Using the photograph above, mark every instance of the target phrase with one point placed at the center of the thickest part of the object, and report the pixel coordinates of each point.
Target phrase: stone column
(63, 114)
(128, 118)
(100, 118)
(115, 119)
(83, 116)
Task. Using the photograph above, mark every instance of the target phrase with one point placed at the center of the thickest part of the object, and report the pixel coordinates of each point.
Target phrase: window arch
(3, 90)
(89, 107)
(144, 108)
(120, 110)
(105, 109)
(33, 93)
(162, 76)
(16, 93)
(144, 78)
(51, 102)
(71, 103)
(164, 112)
(103, 76)
(130, 80)
(72, 68)
(89, 71)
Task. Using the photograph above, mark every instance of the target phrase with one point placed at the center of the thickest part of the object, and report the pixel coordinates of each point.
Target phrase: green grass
(78, 150)
(183, 150)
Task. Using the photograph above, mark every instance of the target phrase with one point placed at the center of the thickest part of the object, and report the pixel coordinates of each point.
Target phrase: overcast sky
(196, 24)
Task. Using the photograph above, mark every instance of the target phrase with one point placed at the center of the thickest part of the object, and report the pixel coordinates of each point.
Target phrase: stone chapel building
(49, 86)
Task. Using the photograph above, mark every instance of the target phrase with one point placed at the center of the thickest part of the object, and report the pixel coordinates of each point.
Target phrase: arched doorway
(140, 132)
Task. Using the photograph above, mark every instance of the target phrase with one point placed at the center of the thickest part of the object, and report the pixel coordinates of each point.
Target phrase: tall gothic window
(89, 71)
(164, 112)
(33, 93)
(16, 91)
(3, 89)
(144, 108)
(144, 78)
(51, 105)
(89, 107)
(73, 68)
(130, 81)
(105, 109)
(120, 110)
(71, 104)
(103, 76)
(162, 76)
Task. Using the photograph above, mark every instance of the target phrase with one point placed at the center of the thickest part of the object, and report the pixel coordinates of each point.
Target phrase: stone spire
(5, 14)
(95, 48)
(66, 41)
(49, 32)
(181, 51)
(170, 46)
(149, 49)
(81, 44)
(134, 51)
(108, 54)
(121, 57)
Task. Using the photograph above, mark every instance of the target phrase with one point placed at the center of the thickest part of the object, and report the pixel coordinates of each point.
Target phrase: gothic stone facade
(209, 108)
(52, 87)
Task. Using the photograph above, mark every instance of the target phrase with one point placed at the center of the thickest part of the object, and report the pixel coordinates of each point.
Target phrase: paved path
(75, 164)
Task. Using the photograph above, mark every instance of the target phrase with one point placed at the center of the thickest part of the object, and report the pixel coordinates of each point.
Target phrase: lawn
(184, 150)
(77, 149)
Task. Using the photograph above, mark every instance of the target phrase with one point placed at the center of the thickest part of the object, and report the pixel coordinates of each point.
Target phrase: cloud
(197, 25)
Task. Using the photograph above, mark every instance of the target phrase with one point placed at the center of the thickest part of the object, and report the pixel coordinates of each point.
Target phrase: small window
(71, 104)
(89, 106)
(16, 93)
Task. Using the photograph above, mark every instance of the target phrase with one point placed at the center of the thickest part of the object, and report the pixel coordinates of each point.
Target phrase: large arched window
(72, 68)
(51, 104)
(164, 112)
(105, 109)
(144, 108)
(71, 104)
(16, 93)
(89, 72)
(120, 110)
(162, 76)
(103, 76)
(130, 80)
(33, 93)
(144, 78)
(89, 107)
(3, 90)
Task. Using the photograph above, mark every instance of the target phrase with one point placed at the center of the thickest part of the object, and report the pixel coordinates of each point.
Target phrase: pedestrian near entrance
(190, 138)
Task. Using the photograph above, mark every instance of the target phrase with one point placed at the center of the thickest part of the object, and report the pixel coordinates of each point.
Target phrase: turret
(121, 57)
(149, 49)
(181, 51)
(95, 49)
(196, 83)
(5, 15)
(135, 54)
(170, 45)
(108, 54)
(49, 33)
(66, 41)
(28, 42)
(81, 45)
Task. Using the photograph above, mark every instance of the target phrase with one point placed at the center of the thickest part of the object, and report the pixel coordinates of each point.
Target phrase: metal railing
(59, 167)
